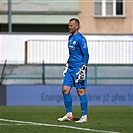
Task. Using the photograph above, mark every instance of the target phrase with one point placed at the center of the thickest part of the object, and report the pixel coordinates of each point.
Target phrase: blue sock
(84, 104)
(68, 102)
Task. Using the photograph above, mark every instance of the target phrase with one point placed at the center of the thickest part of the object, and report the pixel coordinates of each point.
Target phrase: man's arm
(84, 49)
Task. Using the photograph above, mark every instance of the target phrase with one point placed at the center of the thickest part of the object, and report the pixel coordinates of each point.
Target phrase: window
(109, 8)
(119, 7)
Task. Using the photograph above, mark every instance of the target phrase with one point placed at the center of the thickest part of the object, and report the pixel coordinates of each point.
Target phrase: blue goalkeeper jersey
(78, 50)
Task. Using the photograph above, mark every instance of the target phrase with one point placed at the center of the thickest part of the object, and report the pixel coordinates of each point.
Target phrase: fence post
(43, 72)
(26, 51)
(95, 74)
(1, 78)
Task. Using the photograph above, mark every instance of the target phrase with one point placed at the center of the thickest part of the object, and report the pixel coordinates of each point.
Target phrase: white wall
(12, 45)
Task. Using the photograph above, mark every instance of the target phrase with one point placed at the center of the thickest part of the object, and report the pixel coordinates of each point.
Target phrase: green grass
(116, 119)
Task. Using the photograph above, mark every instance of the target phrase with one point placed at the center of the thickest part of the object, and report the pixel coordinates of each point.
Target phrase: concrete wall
(40, 11)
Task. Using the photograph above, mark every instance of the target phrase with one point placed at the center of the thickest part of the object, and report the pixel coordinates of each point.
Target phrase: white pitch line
(4, 124)
(51, 125)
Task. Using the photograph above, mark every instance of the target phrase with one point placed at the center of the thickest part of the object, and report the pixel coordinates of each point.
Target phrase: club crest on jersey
(74, 42)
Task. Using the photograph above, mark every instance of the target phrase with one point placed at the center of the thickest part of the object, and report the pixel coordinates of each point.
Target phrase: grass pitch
(101, 120)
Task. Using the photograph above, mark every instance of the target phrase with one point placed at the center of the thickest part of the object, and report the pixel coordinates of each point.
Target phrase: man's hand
(65, 70)
(82, 73)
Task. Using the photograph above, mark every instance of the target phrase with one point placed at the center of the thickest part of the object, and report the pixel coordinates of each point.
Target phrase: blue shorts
(70, 79)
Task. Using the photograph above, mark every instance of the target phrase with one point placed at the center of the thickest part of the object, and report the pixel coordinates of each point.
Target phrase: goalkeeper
(75, 72)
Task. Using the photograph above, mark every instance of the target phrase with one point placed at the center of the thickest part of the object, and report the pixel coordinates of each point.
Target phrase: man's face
(73, 26)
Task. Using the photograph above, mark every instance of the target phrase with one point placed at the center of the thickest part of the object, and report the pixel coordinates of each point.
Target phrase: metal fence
(98, 74)
(101, 51)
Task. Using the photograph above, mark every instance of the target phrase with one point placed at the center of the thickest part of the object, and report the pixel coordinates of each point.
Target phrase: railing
(112, 77)
(101, 51)
(52, 74)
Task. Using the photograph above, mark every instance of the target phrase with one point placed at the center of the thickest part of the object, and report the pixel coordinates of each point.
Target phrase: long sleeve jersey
(78, 50)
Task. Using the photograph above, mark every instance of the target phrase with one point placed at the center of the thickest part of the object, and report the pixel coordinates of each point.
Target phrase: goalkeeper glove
(65, 70)
(82, 73)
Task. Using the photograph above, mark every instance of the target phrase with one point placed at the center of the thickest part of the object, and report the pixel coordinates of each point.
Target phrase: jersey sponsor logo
(72, 44)
(70, 41)
(71, 47)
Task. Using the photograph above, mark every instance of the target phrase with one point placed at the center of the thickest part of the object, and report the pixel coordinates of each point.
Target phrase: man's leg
(68, 104)
(83, 104)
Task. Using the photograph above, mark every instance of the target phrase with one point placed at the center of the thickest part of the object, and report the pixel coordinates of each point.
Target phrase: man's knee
(81, 92)
(66, 89)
